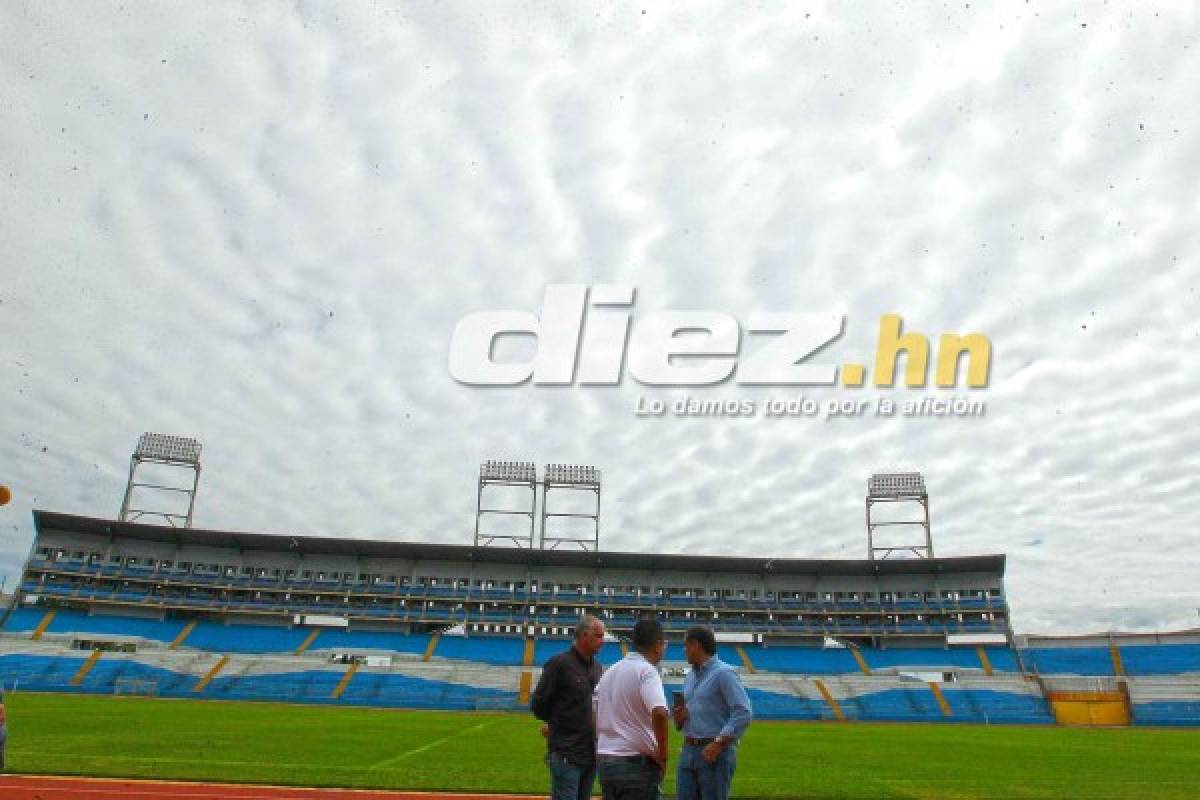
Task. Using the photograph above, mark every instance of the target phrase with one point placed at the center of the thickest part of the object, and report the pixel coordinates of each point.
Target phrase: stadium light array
(162, 447)
(522, 471)
(896, 484)
(571, 474)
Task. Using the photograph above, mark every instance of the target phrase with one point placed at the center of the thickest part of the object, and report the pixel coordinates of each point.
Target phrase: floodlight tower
(176, 452)
(898, 487)
(521, 474)
(573, 478)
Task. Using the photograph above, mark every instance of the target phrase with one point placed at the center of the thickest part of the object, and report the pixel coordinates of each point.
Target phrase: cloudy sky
(259, 226)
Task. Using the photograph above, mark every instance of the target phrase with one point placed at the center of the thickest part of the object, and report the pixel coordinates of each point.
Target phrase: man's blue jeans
(635, 778)
(569, 781)
(697, 779)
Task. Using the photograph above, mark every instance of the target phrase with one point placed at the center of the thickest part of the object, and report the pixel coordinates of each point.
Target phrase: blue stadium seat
(487, 649)
(897, 705)
(1068, 660)
(772, 705)
(900, 657)
(802, 660)
(76, 622)
(545, 649)
(610, 654)
(408, 692)
(990, 706)
(308, 685)
(349, 640)
(24, 619)
(38, 673)
(245, 638)
(1160, 659)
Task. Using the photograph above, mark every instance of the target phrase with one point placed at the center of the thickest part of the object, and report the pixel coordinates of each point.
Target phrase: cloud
(260, 227)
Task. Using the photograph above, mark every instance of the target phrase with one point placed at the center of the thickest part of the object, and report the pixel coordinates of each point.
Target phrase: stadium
(116, 621)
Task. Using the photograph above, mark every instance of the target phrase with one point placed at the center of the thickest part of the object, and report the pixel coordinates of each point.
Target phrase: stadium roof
(314, 545)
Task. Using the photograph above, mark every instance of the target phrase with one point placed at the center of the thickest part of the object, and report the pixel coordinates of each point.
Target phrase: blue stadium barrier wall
(54, 673)
(315, 686)
(1167, 712)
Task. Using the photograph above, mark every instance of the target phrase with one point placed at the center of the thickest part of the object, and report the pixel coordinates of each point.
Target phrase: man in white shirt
(631, 720)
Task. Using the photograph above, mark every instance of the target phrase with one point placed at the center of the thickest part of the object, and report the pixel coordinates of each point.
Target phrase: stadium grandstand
(123, 606)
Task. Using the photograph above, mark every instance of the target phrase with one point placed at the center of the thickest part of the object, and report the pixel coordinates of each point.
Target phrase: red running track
(45, 787)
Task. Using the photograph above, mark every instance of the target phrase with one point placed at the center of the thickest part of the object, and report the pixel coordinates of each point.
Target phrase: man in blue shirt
(714, 714)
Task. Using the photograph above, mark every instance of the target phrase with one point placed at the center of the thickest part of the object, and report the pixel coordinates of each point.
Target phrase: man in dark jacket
(563, 700)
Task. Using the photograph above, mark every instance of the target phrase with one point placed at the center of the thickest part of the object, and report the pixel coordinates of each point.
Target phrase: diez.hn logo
(691, 348)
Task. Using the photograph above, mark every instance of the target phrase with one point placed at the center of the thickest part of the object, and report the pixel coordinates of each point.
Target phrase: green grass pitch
(500, 752)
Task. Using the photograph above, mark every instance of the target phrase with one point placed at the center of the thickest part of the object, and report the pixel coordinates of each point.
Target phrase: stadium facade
(108, 607)
(106, 567)
(121, 606)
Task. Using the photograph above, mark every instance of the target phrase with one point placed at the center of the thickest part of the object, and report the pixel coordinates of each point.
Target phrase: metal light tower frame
(898, 487)
(506, 473)
(575, 478)
(173, 451)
